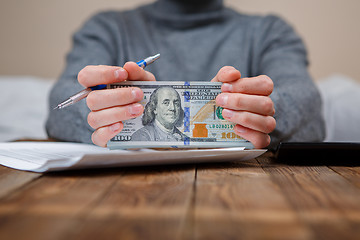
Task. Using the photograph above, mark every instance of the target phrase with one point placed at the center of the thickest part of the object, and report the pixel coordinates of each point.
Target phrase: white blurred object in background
(341, 101)
(24, 107)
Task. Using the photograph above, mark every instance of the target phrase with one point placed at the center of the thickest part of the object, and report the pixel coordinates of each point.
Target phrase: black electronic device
(322, 153)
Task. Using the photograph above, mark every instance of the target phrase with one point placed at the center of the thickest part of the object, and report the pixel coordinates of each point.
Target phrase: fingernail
(226, 87)
(135, 93)
(222, 99)
(121, 74)
(115, 127)
(239, 129)
(135, 109)
(227, 113)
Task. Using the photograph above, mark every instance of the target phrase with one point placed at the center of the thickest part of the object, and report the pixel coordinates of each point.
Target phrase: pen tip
(57, 107)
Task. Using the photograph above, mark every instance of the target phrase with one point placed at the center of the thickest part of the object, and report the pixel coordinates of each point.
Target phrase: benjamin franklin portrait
(162, 115)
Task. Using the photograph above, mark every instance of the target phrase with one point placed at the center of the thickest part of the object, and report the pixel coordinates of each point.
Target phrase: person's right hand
(109, 107)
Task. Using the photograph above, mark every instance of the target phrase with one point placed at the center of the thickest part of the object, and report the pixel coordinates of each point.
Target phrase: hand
(109, 107)
(246, 102)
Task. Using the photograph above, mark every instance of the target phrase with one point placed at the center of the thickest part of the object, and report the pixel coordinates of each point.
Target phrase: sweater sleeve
(93, 44)
(282, 56)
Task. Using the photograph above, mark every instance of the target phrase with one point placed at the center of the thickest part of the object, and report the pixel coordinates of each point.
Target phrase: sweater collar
(188, 7)
(187, 13)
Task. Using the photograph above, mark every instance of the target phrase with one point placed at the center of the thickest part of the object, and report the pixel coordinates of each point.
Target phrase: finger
(260, 85)
(137, 73)
(97, 100)
(112, 115)
(258, 139)
(260, 123)
(252, 103)
(227, 74)
(102, 135)
(100, 74)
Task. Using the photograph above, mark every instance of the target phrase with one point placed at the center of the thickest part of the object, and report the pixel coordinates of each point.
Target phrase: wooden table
(256, 199)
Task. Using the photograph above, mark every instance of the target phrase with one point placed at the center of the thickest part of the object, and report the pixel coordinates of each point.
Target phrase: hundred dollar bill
(177, 115)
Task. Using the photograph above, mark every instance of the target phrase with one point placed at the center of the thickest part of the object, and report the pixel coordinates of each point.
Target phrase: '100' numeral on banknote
(177, 114)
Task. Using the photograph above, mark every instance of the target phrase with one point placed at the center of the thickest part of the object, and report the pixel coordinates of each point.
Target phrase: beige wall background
(36, 35)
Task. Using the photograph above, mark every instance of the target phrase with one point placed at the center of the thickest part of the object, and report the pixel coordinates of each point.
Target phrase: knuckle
(92, 120)
(266, 141)
(265, 78)
(150, 76)
(270, 124)
(123, 95)
(119, 92)
(91, 101)
(95, 138)
(99, 137)
(261, 141)
(126, 65)
(244, 119)
(119, 114)
(217, 100)
(257, 142)
(239, 99)
(267, 83)
(268, 105)
(82, 75)
(102, 73)
(242, 87)
(223, 72)
(225, 68)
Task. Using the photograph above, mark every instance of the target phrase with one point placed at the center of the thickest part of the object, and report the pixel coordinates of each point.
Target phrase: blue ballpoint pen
(83, 94)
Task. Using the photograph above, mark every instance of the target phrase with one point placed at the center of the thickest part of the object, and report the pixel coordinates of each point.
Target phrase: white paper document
(50, 156)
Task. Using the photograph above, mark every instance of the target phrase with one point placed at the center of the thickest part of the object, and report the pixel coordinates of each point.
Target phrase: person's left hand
(246, 102)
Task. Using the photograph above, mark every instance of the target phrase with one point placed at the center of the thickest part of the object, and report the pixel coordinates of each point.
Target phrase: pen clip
(98, 87)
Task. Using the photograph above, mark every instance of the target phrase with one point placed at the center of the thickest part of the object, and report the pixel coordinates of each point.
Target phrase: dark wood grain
(352, 174)
(53, 206)
(11, 180)
(126, 204)
(143, 204)
(323, 199)
(240, 201)
(256, 199)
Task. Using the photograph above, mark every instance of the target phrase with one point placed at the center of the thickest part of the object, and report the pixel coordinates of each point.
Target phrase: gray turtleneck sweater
(195, 38)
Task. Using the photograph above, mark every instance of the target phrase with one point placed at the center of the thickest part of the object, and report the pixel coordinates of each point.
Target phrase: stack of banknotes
(177, 115)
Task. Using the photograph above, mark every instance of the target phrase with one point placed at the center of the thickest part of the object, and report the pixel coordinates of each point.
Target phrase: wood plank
(228, 201)
(131, 203)
(240, 201)
(11, 179)
(352, 174)
(54, 205)
(148, 203)
(323, 199)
